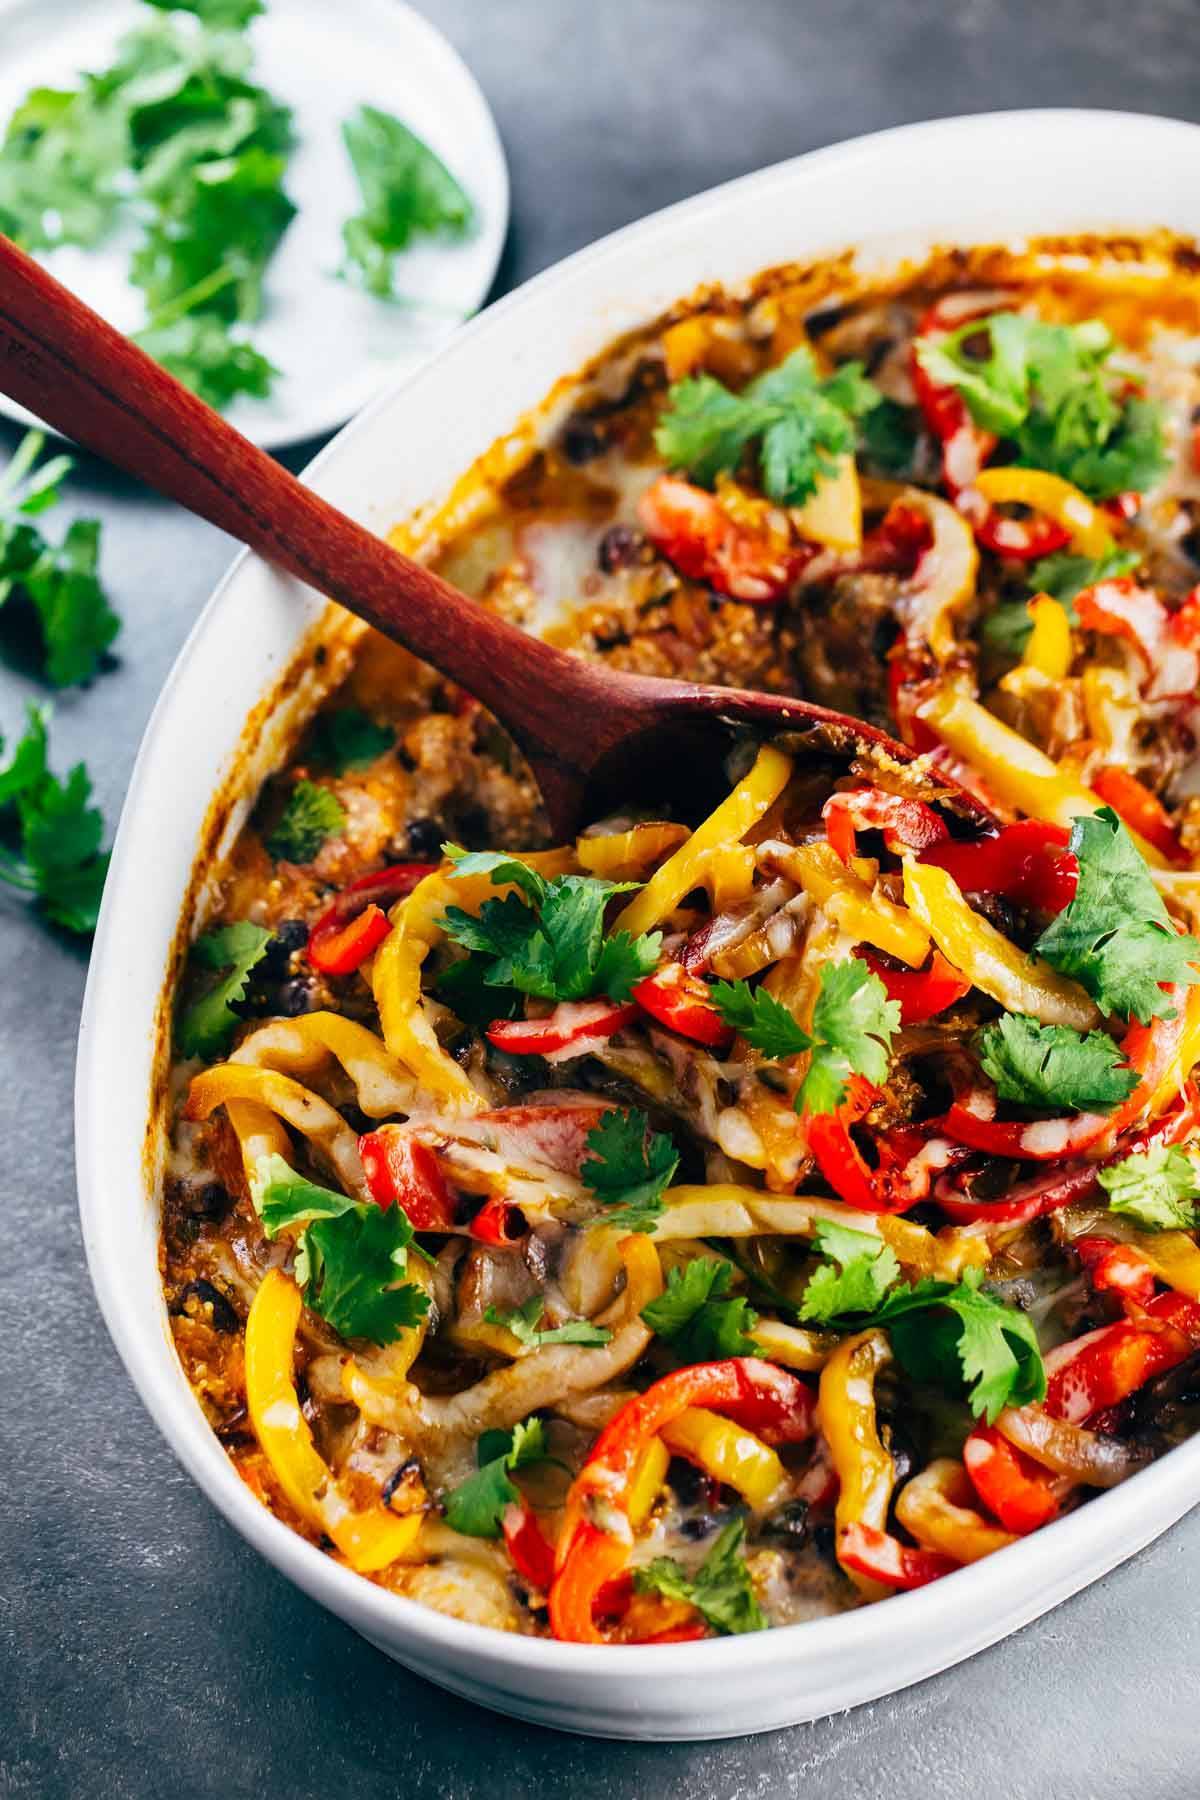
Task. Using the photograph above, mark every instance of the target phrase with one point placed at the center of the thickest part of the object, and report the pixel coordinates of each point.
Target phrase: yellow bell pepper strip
(298, 1106)
(793, 1346)
(647, 1481)
(833, 514)
(728, 824)
(301, 1047)
(729, 1453)
(864, 1468)
(936, 1507)
(1021, 983)
(369, 1540)
(1048, 649)
(626, 855)
(1053, 498)
(258, 1132)
(1014, 770)
(864, 915)
(1174, 1258)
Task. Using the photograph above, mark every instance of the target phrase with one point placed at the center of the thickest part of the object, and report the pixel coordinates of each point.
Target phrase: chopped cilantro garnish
(803, 424)
(524, 1323)
(207, 357)
(221, 15)
(859, 1270)
(312, 814)
(1116, 937)
(407, 192)
(721, 1588)
(50, 833)
(477, 1505)
(1063, 576)
(1155, 1188)
(349, 1255)
(890, 434)
(629, 1169)
(1053, 1066)
(207, 1025)
(853, 1024)
(548, 940)
(349, 739)
(1047, 390)
(697, 1316)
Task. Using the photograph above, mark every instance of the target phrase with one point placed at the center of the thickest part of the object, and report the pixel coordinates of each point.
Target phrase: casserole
(497, 372)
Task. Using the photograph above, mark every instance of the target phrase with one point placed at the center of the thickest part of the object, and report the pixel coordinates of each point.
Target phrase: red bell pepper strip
(1184, 623)
(1116, 1268)
(573, 1028)
(402, 1171)
(909, 1156)
(1024, 540)
(1018, 1491)
(499, 1222)
(922, 993)
(1027, 862)
(905, 824)
(529, 1549)
(1106, 1366)
(682, 1002)
(884, 1558)
(767, 1400)
(354, 925)
(893, 547)
(694, 531)
(1141, 810)
(1121, 608)
(1124, 506)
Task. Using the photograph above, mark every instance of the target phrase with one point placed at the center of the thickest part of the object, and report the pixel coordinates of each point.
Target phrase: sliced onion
(1086, 1456)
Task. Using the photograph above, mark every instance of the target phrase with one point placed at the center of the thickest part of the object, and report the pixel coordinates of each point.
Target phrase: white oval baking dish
(996, 177)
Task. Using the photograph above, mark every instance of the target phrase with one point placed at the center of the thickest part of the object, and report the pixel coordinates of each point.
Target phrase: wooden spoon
(591, 734)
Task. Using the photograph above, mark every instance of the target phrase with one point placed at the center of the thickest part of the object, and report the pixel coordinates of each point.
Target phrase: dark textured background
(145, 1650)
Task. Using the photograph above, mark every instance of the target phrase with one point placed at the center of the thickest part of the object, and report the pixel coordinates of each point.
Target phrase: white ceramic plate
(336, 346)
(970, 180)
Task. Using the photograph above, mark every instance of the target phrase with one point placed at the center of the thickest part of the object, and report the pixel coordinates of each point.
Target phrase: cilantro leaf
(207, 1025)
(60, 164)
(1116, 937)
(1053, 1065)
(1156, 1188)
(1045, 388)
(720, 1589)
(696, 1315)
(760, 1018)
(312, 814)
(629, 1169)
(890, 434)
(853, 1025)
(859, 1270)
(282, 1198)
(1063, 576)
(971, 1340)
(804, 425)
(229, 213)
(222, 15)
(349, 739)
(406, 191)
(476, 1506)
(524, 1323)
(548, 940)
(202, 352)
(50, 833)
(463, 987)
(347, 1267)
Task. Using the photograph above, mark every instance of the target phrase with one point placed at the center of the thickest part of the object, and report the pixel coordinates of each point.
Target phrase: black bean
(789, 1526)
(210, 1202)
(200, 1295)
(290, 935)
(619, 548)
(425, 839)
(296, 997)
(583, 439)
(824, 1540)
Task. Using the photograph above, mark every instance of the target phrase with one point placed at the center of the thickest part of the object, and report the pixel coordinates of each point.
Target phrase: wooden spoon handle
(63, 362)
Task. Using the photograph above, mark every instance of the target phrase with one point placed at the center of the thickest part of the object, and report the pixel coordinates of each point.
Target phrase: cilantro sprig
(476, 1507)
(207, 1025)
(720, 1588)
(857, 1271)
(1050, 391)
(312, 814)
(349, 738)
(629, 1169)
(525, 1324)
(50, 833)
(802, 423)
(1156, 1188)
(852, 1028)
(1053, 1066)
(407, 192)
(1063, 576)
(349, 1255)
(548, 939)
(1116, 938)
(698, 1317)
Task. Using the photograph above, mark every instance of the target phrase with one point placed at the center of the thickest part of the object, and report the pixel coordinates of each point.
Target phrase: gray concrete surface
(144, 1650)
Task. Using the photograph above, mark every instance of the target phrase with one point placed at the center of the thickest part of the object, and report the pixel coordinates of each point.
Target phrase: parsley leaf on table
(1046, 389)
(60, 164)
(222, 15)
(349, 738)
(629, 1169)
(1156, 1188)
(50, 833)
(228, 214)
(312, 814)
(208, 1023)
(202, 352)
(477, 1505)
(524, 1323)
(853, 1023)
(548, 940)
(803, 423)
(720, 1589)
(1053, 1065)
(856, 1275)
(1116, 937)
(407, 191)
(697, 1316)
